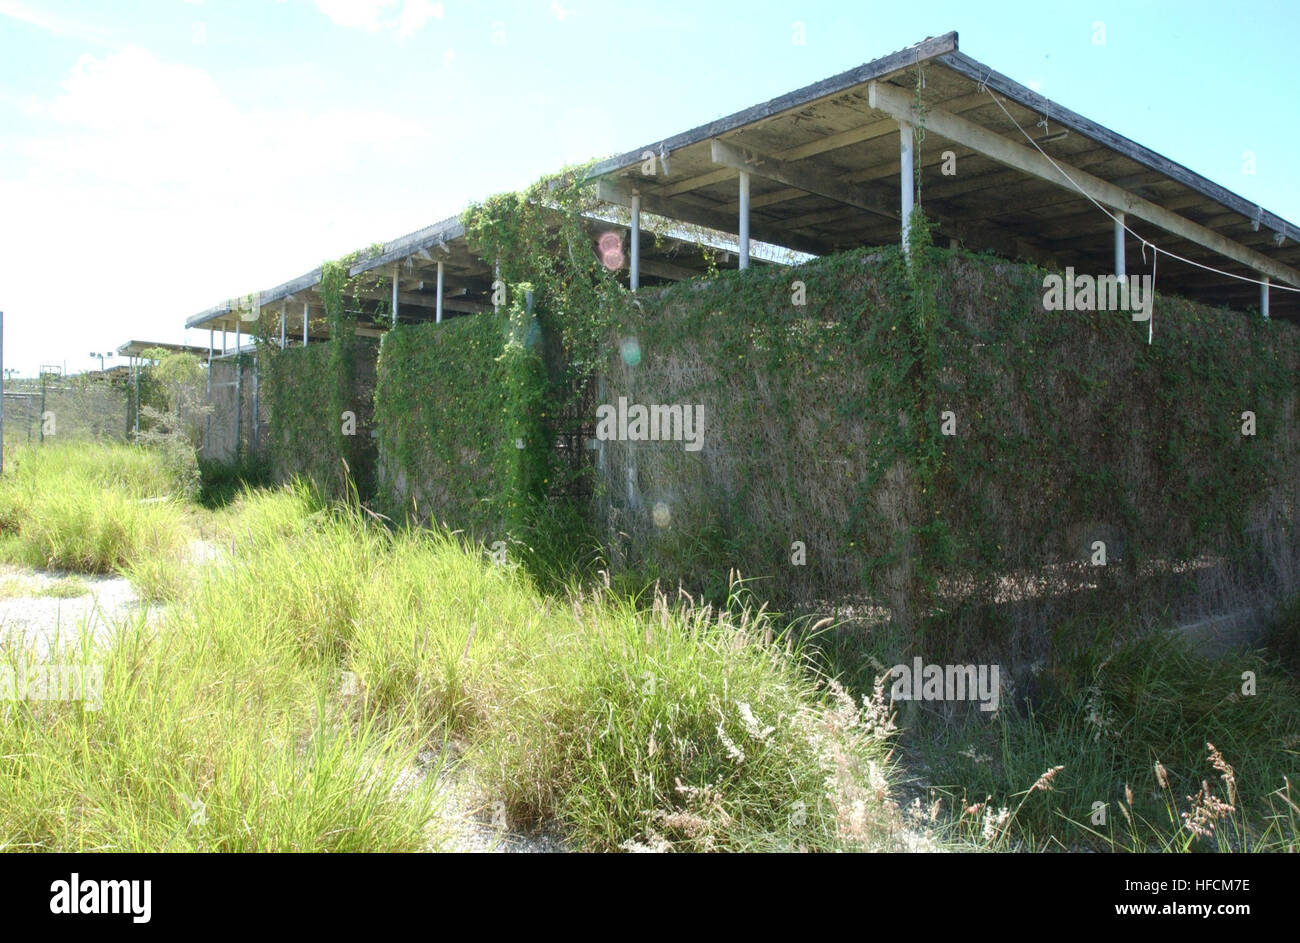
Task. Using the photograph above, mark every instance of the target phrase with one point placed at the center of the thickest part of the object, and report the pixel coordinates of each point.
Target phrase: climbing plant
(910, 429)
(320, 395)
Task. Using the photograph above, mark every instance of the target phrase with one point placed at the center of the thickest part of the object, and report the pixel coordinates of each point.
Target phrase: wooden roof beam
(619, 193)
(894, 101)
(822, 182)
(831, 142)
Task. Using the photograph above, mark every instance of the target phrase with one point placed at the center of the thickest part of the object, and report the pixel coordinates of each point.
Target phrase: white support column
(207, 426)
(496, 277)
(438, 310)
(306, 316)
(634, 247)
(223, 339)
(395, 271)
(1263, 298)
(252, 420)
(906, 152)
(135, 375)
(239, 389)
(283, 305)
(1119, 246)
(744, 219)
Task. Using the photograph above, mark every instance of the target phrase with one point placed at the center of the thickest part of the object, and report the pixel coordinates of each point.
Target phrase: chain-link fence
(236, 425)
(56, 407)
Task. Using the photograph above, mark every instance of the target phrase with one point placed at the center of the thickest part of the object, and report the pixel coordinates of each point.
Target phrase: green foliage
(440, 406)
(293, 700)
(810, 426)
(92, 508)
(218, 727)
(1071, 429)
(475, 446)
(526, 462)
(304, 428)
(824, 426)
(172, 421)
(311, 388)
(540, 238)
(222, 482)
(1110, 715)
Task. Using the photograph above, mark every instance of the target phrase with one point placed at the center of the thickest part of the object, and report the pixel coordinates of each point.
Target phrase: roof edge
(1022, 95)
(929, 48)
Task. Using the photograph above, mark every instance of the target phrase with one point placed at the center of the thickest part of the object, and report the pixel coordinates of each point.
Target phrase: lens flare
(610, 247)
(630, 351)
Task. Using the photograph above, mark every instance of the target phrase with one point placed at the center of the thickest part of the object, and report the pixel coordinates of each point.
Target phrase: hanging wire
(1145, 242)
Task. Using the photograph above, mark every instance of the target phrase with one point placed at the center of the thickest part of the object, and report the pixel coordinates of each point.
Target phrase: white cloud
(402, 17)
(415, 14)
(53, 22)
(165, 196)
(560, 12)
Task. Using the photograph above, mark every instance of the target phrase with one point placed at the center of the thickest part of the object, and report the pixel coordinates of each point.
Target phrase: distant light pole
(108, 354)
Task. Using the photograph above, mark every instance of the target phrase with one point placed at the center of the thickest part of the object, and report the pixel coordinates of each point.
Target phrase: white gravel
(476, 824)
(38, 624)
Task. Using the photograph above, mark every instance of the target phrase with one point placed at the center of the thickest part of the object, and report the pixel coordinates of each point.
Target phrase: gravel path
(472, 823)
(39, 623)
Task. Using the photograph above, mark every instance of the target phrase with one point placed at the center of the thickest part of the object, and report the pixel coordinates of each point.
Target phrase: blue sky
(158, 156)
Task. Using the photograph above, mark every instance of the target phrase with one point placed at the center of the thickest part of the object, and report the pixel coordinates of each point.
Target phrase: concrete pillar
(395, 270)
(906, 155)
(1119, 245)
(744, 220)
(438, 310)
(634, 247)
(1263, 298)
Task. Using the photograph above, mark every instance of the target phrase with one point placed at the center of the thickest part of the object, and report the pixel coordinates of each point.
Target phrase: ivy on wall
(826, 427)
(914, 432)
(321, 396)
(441, 410)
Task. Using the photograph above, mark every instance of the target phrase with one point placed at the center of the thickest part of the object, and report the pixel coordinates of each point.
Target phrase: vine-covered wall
(1074, 435)
(917, 436)
(930, 439)
(309, 390)
(440, 407)
(806, 429)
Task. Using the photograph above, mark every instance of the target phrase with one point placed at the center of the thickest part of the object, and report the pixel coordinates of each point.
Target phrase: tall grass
(90, 507)
(678, 727)
(286, 699)
(1159, 749)
(214, 733)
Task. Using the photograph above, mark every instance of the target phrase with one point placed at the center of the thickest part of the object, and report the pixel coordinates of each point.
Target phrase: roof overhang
(136, 348)
(824, 163)
(824, 167)
(467, 280)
